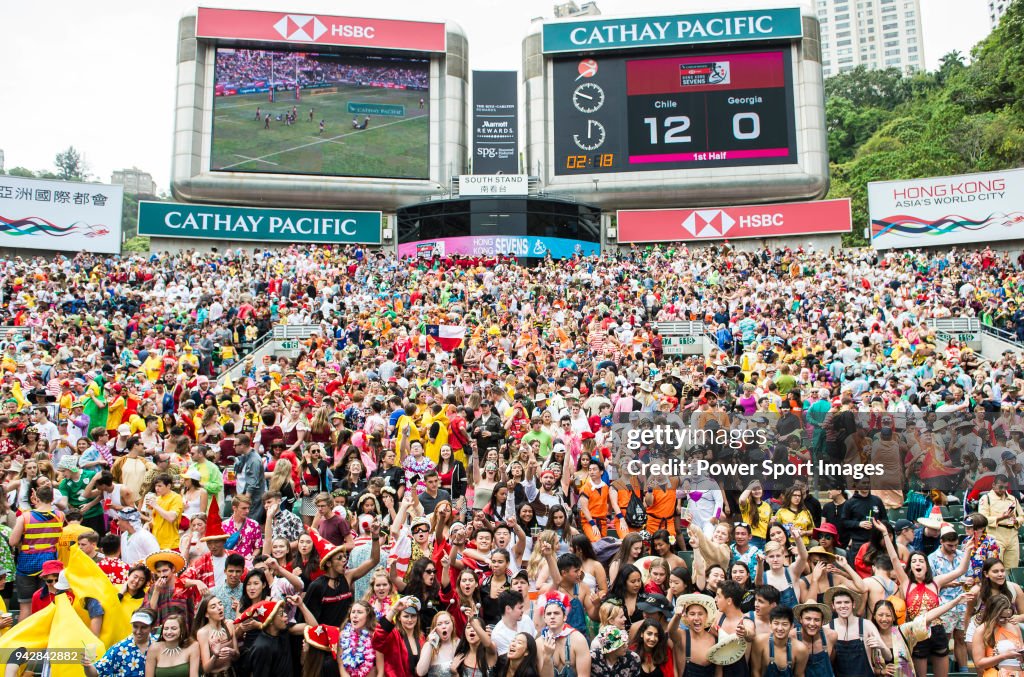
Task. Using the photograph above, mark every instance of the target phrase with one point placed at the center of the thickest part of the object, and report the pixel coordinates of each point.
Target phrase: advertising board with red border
(729, 223)
(320, 29)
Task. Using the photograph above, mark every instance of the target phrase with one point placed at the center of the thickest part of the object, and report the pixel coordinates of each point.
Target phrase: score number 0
(677, 124)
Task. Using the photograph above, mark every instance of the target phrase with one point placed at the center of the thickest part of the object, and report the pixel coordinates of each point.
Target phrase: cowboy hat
(933, 520)
(818, 550)
(831, 593)
(684, 602)
(728, 650)
(826, 612)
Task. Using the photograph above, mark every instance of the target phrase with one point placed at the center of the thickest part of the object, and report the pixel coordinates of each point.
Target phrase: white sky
(101, 75)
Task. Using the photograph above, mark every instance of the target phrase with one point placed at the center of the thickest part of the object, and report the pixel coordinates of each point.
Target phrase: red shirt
(42, 598)
(115, 569)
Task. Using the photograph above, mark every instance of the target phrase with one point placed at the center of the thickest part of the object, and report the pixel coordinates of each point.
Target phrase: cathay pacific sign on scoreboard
(681, 29)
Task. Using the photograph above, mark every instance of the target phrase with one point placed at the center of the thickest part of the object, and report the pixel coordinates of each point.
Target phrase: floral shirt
(989, 548)
(250, 540)
(230, 598)
(627, 666)
(941, 565)
(115, 569)
(287, 525)
(6, 556)
(124, 659)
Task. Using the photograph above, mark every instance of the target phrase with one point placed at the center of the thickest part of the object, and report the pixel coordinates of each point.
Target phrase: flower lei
(417, 465)
(356, 651)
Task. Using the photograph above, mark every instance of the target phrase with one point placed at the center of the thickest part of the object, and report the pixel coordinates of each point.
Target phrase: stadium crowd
(389, 504)
(239, 68)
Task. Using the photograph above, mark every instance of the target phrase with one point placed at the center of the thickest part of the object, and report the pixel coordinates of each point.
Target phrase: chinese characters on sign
(8, 192)
(60, 215)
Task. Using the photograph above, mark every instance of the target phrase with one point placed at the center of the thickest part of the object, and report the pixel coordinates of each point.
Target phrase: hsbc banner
(319, 29)
(731, 223)
(947, 210)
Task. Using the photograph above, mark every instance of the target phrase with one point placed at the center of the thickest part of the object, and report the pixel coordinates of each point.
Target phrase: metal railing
(1002, 334)
(955, 325)
(296, 331)
(681, 328)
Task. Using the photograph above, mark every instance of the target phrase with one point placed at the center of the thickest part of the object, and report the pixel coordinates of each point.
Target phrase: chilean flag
(448, 336)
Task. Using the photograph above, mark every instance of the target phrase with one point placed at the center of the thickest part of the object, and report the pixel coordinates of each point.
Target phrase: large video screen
(282, 112)
(710, 109)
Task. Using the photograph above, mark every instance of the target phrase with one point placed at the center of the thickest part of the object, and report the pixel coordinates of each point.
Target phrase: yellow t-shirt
(153, 366)
(166, 532)
(801, 519)
(69, 537)
(115, 412)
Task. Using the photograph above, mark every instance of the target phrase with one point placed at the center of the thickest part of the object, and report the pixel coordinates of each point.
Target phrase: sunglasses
(430, 571)
(50, 579)
(421, 530)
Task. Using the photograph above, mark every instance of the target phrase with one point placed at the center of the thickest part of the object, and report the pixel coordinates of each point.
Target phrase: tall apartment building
(135, 181)
(568, 9)
(996, 9)
(876, 34)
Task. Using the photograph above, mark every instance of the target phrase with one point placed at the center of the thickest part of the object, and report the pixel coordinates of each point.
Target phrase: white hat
(193, 474)
(728, 650)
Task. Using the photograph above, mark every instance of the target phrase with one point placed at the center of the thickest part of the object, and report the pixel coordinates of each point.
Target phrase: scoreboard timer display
(710, 109)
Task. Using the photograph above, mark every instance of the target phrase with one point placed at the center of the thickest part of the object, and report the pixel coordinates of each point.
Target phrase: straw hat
(831, 593)
(728, 650)
(818, 550)
(826, 612)
(933, 520)
(174, 558)
(684, 602)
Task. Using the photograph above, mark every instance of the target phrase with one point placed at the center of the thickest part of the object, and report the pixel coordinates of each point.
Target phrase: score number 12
(676, 125)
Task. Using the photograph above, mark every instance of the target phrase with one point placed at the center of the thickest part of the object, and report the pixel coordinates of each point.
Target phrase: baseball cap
(653, 603)
(900, 525)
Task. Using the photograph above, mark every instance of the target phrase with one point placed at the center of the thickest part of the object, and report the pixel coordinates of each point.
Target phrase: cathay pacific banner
(173, 219)
(681, 29)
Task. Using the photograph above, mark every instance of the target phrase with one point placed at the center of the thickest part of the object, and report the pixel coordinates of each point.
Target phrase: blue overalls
(851, 657)
(774, 670)
(818, 664)
(692, 669)
(737, 669)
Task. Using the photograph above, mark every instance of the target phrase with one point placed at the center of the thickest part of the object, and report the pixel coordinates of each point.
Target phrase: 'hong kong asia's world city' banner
(947, 210)
(63, 216)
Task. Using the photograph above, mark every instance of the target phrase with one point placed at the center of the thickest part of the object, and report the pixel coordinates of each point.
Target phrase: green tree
(70, 165)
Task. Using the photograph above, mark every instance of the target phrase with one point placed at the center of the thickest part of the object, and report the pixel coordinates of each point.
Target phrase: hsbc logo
(300, 27)
(715, 223)
(708, 223)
